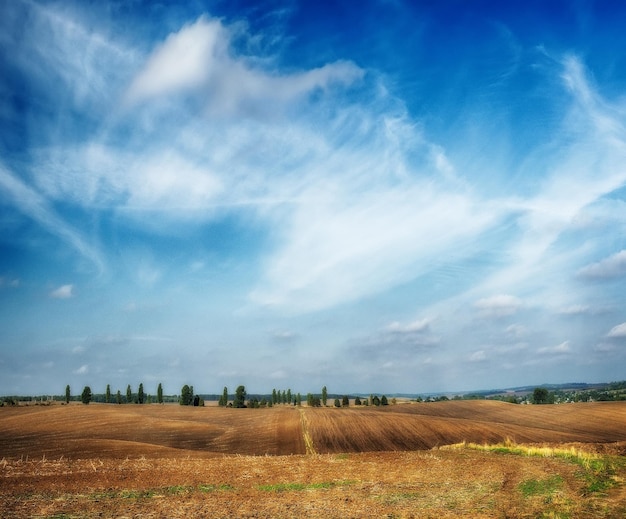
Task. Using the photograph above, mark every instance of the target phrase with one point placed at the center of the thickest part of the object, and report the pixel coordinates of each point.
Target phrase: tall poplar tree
(224, 398)
(160, 394)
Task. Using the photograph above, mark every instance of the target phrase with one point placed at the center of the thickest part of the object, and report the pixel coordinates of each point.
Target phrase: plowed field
(423, 426)
(172, 461)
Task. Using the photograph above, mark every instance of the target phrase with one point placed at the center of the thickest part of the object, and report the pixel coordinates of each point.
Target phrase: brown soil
(172, 461)
(423, 426)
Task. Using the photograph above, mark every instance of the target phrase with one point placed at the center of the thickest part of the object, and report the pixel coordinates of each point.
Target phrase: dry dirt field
(172, 461)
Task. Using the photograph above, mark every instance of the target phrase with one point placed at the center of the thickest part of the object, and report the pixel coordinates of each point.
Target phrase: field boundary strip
(306, 435)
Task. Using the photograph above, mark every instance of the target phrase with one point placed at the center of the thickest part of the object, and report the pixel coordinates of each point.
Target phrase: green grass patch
(541, 487)
(178, 489)
(290, 487)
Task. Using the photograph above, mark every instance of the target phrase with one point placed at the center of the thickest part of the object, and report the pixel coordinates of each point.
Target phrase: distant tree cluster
(282, 397)
(187, 397)
(140, 397)
(542, 396)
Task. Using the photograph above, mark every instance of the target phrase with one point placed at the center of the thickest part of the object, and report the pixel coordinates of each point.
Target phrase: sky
(383, 196)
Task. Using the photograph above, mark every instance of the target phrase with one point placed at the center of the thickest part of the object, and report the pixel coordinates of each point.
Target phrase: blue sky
(389, 197)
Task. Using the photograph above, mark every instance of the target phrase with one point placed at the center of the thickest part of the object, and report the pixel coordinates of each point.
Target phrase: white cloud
(562, 348)
(158, 180)
(198, 58)
(583, 163)
(611, 267)
(575, 310)
(498, 306)
(618, 331)
(183, 61)
(516, 330)
(342, 244)
(478, 356)
(63, 292)
(421, 325)
(279, 374)
(83, 370)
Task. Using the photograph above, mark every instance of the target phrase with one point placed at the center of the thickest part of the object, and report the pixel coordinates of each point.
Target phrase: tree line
(240, 399)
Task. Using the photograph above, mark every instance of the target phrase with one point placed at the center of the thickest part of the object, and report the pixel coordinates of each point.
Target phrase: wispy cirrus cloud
(33, 205)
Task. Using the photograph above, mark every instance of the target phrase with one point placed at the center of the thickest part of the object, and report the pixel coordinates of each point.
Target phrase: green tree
(357, 401)
(274, 396)
(345, 402)
(324, 396)
(85, 397)
(107, 395)
(337, 402)
(119, 396)
(186, 395)
(541, 395)
(141, 396)
(67, 394)
(160, 394)
(384, 401)
(289, 396)
(129, 394)
(375, 400)
(298, 399)
(223, 401)
(240, 397)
